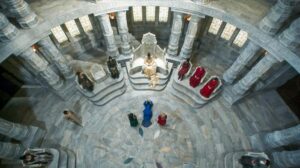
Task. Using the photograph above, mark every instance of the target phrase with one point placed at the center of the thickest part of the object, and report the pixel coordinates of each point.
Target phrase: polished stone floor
(192, 137)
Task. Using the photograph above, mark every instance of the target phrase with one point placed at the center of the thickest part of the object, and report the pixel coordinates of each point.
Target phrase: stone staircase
(183, 91)
(139, 81)
(63, 158)
(231, 160)
(105, 91)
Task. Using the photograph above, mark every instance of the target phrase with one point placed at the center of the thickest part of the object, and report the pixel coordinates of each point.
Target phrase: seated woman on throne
(149, 68)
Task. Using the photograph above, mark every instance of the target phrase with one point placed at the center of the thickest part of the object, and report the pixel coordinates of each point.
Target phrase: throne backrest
(149, 45)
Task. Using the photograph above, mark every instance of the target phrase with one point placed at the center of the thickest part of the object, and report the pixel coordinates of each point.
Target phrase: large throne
(149, 45)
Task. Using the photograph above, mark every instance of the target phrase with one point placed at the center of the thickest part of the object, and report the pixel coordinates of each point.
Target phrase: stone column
(253, 75)
(108, 34)
(123, 31)
(270, 25)
(282, 137)
(187, 47)
(291, 36)
(40, 65)
(175, 34)
(18, 131)
(68, 34)
(286, 159)
(239, 64)
(22, 12)
(7, 30)
(272, 22)
(11, 151)
(55, 55)
(80, 28)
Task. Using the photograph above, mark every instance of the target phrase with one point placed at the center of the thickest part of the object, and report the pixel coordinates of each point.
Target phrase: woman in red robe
(208, 89)
(197, 77)
(184, 69)
(162, 119)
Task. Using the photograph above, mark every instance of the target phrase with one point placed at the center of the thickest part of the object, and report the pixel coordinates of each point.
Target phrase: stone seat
(215, 91)
(149, 45)
(198, 76)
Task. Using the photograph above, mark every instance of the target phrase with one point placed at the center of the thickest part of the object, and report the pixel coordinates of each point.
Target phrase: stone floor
(192, 138)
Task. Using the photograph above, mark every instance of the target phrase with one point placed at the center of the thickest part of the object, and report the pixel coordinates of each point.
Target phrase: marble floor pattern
(192, 138)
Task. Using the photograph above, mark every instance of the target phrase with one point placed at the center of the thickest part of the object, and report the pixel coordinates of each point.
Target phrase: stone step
(145, 81)
(231, 160)
(101, 95)
(111, 96)
(192, 99)
(99, 87)
(71, 159)
(63, 159)
(184, 98)
(147, 87)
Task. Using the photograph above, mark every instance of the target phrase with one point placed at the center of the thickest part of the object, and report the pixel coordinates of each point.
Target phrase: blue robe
(147, 113)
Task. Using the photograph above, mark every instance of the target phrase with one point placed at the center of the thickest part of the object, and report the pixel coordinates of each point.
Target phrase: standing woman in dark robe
(113, 67)
(85, 82)
(184, 69)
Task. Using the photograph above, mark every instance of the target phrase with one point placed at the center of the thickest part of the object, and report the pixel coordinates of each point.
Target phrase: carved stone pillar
(55, 55)
(108, 34)
(239, 64)
(272, 22)
(68, 34)
(40, 65)
(175, 34)
(80, 28)
(7, 30)
(10, 151)
(282, 137)
(291, 36)
(187, 47)
(254, 74)
(24, 15)
(17, 131)
(123, 31)
(286, 159)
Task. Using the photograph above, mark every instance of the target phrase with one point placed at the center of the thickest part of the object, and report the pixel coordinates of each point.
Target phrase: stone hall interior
(150, 83)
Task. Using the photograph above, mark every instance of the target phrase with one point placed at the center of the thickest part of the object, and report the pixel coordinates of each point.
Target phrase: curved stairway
(106, 90)
(190, 95)
(63, 158)
(139, 81)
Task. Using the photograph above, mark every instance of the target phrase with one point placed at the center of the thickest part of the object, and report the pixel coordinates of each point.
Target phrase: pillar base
(257, 143)
(230, 96)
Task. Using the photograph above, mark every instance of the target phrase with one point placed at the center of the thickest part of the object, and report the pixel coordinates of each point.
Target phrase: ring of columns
(279, 47)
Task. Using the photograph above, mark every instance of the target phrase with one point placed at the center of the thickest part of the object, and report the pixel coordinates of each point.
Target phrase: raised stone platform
(190, 95)
(140, 82)
(105, 91)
